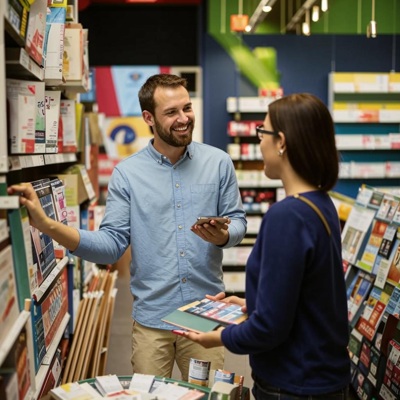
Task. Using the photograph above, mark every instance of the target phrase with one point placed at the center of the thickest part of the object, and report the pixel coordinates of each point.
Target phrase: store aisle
(118, 361)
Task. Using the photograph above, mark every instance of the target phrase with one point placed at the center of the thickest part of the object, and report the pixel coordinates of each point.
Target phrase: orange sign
(239, 22)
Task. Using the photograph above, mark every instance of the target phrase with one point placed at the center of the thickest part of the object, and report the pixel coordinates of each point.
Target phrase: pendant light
(306, 24)
(371, 28)
(315, 13)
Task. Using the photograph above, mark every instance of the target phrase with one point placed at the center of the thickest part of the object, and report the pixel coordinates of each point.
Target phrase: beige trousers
(155, 350)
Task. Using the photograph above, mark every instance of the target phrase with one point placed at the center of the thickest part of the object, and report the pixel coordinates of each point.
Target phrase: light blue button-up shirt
(152, 204)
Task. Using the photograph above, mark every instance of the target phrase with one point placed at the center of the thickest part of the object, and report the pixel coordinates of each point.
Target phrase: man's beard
(168, 135)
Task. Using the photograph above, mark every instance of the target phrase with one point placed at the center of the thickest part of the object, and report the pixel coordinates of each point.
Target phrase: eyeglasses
(261, 131)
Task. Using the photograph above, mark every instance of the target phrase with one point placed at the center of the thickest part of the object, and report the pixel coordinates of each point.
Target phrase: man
(154, 199)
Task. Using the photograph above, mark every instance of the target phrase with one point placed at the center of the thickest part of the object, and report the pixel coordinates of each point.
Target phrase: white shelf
(51, 351)
(364, 82)
(248, 104)
(364, 116)
(15, 62)
(369, 170)
(235, 281)
(264, 185)
(75, 86)
(390, 141)
(248, 241)
(364, 97)
(9, 202)
(8, 342)
(56, 341)
(18, 162)
(59, 158)
(239, 159)
(20, 65)
(39, 292)
(256, 179)
(3, 105)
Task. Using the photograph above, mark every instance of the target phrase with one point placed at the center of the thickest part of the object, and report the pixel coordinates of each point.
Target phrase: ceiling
(287, 16)
(85, 3)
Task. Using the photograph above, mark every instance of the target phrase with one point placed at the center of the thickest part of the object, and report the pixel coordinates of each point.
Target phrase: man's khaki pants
(155, 350)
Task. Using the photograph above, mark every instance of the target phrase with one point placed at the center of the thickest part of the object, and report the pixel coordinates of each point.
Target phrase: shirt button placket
(179, 212)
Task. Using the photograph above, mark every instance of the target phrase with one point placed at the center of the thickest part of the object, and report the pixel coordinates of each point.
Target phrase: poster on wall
(123, 136)
(120, 119)
(117, 88)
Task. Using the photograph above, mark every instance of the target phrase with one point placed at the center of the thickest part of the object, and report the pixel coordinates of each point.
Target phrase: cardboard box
(78, 187)
(75, 192)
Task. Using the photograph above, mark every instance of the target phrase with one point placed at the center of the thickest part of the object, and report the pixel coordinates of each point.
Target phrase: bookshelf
(371, 254)
(3, 121)
(46, 311)
(366, 111)
(257, 191)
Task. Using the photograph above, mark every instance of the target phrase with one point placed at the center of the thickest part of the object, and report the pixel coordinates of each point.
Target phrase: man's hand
(215, 232)
(66, 235)
(29, 198)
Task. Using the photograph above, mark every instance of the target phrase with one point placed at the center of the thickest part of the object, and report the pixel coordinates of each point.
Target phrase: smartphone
(206, 220)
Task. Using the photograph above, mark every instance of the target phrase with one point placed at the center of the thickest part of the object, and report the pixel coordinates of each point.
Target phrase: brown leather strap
(316, 209)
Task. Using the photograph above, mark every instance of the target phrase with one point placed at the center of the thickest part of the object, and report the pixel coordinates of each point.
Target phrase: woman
(297, 331)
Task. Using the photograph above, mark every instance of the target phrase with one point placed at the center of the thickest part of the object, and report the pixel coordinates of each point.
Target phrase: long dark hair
(310, 137)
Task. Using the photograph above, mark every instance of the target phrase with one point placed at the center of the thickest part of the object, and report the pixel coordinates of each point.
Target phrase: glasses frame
(261, 131)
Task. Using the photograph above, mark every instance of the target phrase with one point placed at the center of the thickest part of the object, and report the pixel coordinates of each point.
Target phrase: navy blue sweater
(297, 332)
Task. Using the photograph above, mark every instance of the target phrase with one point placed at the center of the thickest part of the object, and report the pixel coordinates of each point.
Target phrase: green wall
(259, 65)
(343, 16)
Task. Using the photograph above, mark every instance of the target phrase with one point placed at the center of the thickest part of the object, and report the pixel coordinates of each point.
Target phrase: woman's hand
(230, 299)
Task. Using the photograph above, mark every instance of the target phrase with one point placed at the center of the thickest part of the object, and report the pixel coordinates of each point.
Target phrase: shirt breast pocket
(204, 199)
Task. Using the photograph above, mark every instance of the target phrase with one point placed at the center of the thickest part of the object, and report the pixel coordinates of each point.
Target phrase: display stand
(126, 379)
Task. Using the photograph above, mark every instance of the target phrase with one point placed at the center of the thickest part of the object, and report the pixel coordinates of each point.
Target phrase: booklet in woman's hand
(206, 315)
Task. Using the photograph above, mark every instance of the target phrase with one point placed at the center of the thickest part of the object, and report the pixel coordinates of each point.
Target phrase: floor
(118, 361)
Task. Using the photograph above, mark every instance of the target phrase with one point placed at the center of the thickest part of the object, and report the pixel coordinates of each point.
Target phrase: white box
(52, 106)
(73, 54)
(35, 35)
(22, 108)
(54, 49)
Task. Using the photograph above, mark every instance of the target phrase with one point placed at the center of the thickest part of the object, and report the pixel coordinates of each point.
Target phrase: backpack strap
(316, 209)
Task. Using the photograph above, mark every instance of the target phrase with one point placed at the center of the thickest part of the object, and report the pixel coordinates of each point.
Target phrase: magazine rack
(125, 380)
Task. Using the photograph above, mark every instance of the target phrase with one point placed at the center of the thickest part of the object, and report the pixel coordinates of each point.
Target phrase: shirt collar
(160, 158)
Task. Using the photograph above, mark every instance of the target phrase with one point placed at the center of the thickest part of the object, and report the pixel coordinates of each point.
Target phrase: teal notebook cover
(190, 322)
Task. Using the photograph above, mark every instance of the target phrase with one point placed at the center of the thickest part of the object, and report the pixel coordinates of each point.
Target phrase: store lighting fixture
(315, 13)
(299, 15)
(309, 6)
(371, 28)
(306, 24)
(305, 29)
(259, 14)
(140, 1)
